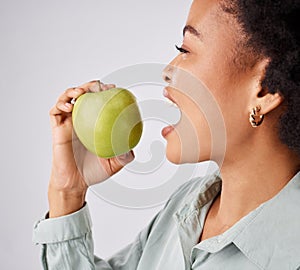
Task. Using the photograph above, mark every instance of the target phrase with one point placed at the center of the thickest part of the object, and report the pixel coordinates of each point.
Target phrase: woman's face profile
(206, 54)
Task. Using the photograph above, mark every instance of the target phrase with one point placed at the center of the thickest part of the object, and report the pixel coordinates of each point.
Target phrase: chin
(178, 152)
(174, 148)
(173, 157)
(187, 146)
(176, 156)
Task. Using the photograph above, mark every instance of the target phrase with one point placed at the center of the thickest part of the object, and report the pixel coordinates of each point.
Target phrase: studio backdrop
(49, 46)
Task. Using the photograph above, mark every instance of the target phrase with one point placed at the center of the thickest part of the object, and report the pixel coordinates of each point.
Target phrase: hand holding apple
(73, 167)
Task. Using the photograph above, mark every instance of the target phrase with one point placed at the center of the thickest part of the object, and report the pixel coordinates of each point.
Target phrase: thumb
(95, 170)
(117, 163)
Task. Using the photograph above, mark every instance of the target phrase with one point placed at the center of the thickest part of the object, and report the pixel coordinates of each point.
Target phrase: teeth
(165, 92)
(170, 103)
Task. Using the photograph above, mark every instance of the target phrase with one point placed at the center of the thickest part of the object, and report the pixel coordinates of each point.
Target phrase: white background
(46, 47)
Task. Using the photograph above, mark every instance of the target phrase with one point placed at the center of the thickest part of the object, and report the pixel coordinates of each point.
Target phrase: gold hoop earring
(255, 118)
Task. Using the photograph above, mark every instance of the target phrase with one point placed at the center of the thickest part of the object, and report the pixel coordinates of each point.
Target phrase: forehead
(207, 17)
(202, 10)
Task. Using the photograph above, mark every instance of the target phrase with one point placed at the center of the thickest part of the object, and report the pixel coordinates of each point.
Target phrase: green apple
(108, 123)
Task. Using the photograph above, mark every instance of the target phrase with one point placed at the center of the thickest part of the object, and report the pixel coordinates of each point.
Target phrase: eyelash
(180, 49)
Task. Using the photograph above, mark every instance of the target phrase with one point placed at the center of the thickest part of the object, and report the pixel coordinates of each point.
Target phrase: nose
(167, 73)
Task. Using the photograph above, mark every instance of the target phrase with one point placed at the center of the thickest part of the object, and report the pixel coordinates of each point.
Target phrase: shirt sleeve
(67, 243)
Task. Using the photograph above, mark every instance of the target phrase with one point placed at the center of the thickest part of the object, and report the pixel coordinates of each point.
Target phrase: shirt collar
(272, 239)
(200, 195)
(188, 215)
(268, 236)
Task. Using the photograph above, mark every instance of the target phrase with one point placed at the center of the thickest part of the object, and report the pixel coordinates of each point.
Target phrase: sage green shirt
(267, 238)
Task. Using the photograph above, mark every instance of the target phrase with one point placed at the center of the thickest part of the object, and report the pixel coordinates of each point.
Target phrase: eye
(180, 49)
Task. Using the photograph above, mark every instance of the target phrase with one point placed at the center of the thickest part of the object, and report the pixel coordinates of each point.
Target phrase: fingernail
(68, 105)
(95, 87)
(111, 85)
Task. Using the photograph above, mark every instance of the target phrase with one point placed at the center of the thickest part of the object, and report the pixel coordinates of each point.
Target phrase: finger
(66, 101)
(92, 170)
(58, 115)
(117, 163)
(71, 93)
(108, 86)
(60, 107)
(64, 107)
(96, 86)
(54, 111)
(93, 86)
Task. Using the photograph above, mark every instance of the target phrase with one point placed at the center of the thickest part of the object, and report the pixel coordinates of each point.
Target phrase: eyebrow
(193, 31)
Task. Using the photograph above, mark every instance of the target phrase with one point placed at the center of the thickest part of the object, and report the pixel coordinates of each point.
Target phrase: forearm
(63, 202)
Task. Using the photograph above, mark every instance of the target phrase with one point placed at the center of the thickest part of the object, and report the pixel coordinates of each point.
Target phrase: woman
(247, 54)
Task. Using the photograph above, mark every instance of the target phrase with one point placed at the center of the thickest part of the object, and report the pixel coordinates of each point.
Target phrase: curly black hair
(272, 31)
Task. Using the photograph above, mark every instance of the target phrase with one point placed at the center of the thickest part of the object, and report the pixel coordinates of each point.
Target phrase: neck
(253, 177)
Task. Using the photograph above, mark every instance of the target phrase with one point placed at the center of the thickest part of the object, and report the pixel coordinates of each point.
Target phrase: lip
(166, 130)
(168, 96)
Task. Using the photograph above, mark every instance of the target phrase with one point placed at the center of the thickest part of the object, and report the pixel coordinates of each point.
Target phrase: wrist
(63, 203)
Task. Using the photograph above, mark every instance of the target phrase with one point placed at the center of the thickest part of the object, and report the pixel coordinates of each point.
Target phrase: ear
(268, 101)
(261, 96)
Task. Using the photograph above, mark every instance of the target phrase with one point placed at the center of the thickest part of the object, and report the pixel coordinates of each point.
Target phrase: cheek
(234, 108)
(190, 141)
(218, 121)
(230, 91)
(237, 127)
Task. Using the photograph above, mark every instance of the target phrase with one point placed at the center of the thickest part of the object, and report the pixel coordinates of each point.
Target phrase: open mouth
(170, 100)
